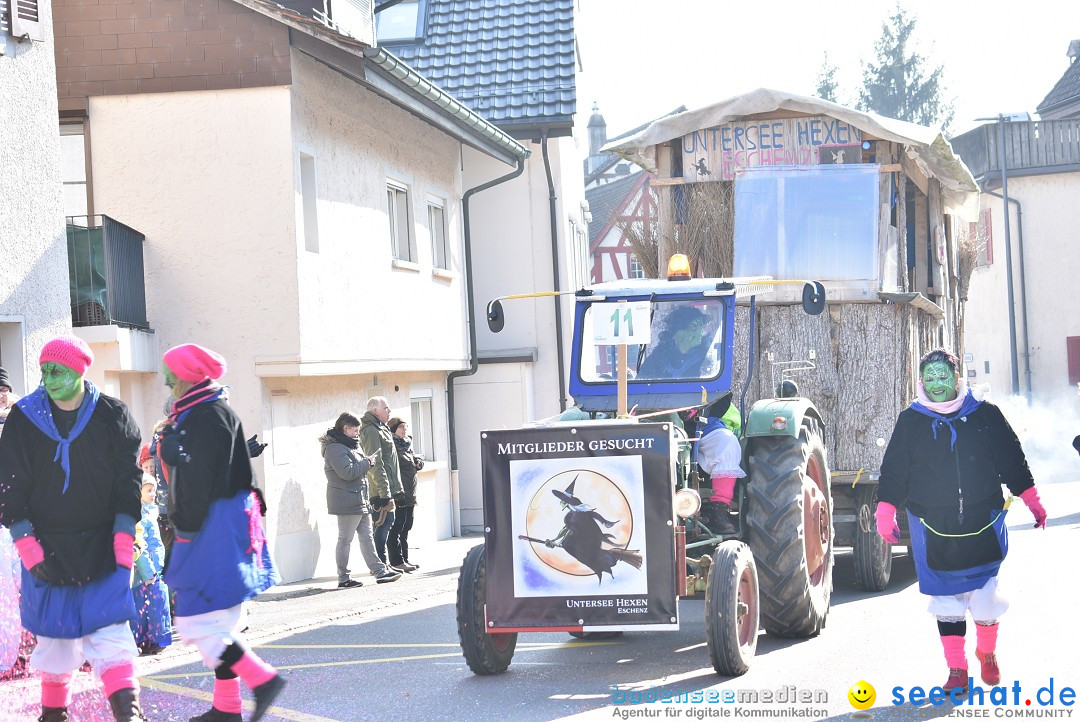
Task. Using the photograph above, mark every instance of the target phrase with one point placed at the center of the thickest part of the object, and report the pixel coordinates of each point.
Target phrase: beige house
(1034, 351)
(300, 193)
(34, 276)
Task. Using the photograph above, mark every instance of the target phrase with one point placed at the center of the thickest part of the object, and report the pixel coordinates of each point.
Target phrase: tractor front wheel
(791, 531)
(484, 653)
(731, 609)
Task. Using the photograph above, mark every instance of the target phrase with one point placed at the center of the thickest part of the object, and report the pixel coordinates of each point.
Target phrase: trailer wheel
(732, 614)
(871, 554)
(595, 636)
(484, 653)
(791, 531)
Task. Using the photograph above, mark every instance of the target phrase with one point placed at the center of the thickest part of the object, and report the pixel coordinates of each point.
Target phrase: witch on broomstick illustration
(582, 538)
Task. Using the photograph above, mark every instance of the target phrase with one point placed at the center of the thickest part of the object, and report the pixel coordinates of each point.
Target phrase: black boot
(216, 715)
(720, 520)
(53, 714)
(125, 705)
(265, 694)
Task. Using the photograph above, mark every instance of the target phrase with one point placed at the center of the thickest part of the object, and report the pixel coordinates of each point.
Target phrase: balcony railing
(105, 266)
(1031, 147)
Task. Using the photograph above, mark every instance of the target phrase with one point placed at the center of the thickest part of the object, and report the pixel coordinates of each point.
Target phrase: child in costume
(153, 622)
(219, 557)
(71, 499)
(949, 454)
(720, 456)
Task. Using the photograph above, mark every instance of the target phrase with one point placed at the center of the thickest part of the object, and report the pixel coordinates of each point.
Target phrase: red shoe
(958, 679)
(990, 672)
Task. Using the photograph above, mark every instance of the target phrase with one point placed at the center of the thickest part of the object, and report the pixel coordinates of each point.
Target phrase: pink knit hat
(69, 351)
(193, 363)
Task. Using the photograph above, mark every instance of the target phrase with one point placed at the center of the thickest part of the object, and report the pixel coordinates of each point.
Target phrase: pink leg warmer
(55, 692)
(122, 676)
(954, 651)
(723, 489)
(253, 670)
(986, 637)
(227, 695)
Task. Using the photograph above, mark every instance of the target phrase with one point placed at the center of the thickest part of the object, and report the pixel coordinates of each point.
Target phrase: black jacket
(217, 466)
(74, 527)
(929, 477)
(409, 464)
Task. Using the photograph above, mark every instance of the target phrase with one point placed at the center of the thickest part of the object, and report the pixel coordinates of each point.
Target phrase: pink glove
(124, 548)
(1031, 498)
(887, 528)
(30, 551)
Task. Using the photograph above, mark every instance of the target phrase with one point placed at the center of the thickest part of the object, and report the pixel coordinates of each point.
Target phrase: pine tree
(895, 82)
(826, 81)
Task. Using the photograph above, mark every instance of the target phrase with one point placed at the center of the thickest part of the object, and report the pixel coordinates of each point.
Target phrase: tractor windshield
(686, 337)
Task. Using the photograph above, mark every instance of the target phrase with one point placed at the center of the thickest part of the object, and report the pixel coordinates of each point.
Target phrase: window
(310, 201)
(636, 271)
(687, 344)
(423, 430)
(440, 252)
(397, 204)
(1072, 353)
(399, 22)
(73, 169)
(807, 222)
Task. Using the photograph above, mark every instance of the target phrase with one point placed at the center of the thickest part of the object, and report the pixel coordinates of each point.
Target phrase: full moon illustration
(544, 519)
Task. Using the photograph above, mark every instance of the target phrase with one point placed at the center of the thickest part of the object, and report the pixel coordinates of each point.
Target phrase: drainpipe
(552, 198)
(469, 303)
(1023, 289)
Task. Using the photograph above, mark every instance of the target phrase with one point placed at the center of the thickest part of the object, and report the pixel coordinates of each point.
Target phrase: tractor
(767, 565)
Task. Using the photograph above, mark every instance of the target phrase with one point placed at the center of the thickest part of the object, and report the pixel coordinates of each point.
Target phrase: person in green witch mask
(948, 456)
(70, 455)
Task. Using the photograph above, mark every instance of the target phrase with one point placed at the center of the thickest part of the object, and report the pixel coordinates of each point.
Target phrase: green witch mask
(61, 383)
(939, 381)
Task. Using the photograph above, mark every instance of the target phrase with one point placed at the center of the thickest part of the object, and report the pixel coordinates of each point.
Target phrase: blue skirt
(74, 612)
(225, 563)
(935, 582)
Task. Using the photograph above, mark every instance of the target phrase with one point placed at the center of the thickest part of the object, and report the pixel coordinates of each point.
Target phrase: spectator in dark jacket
(346, 471)
(397, 543)
(384, 478)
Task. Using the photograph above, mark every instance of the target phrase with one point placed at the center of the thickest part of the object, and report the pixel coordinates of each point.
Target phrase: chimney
(1074, 51)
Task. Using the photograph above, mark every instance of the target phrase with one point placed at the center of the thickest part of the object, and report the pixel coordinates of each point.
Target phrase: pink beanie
(193, 363)
(69, 351)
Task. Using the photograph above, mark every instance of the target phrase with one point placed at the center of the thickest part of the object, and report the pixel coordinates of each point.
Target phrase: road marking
(529, 647)
(521, 645)
(148, 683)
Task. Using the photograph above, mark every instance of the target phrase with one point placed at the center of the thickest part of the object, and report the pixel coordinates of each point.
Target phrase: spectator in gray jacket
(346, 471)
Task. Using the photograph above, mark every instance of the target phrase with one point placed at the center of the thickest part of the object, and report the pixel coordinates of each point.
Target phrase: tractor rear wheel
(791, 531)
(731, 609)
(484, 653)
(871, 554)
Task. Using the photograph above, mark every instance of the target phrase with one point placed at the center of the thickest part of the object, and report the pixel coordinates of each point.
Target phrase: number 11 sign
(623, 323)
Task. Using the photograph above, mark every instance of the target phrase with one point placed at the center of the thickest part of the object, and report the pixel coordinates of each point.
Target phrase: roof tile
(519, 52)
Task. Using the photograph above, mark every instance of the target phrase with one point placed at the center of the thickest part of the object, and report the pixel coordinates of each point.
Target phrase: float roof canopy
(926, 146)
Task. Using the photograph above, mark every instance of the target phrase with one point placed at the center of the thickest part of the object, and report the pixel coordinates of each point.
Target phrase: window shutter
(5, 23)
(1072, 352)
(26, 19)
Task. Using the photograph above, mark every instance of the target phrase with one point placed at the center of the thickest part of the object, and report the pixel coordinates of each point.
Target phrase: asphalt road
(367, 654)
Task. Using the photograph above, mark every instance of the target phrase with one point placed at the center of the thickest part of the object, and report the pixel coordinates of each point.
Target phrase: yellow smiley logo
(862, 695)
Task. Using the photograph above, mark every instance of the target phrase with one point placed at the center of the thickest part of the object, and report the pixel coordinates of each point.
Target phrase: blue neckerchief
(212, 397)
(969, 405)
(36, 408)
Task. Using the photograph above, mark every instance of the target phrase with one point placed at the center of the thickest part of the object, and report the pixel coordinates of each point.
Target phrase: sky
(641, 59)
